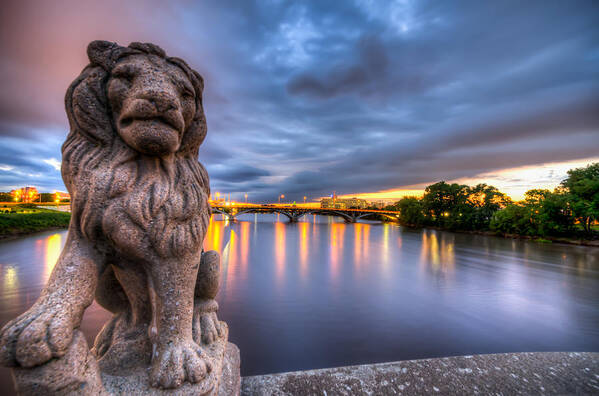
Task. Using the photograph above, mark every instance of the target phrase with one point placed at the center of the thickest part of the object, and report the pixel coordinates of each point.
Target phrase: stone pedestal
(78, 373)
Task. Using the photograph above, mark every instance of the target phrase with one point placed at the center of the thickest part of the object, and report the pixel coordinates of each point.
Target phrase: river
(322, 293)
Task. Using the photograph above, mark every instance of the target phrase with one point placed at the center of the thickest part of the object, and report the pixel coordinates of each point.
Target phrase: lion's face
(153, 103)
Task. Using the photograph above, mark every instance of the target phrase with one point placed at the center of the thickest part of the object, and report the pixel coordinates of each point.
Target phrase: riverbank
(20, 224)
(553, 373)
(545, 239)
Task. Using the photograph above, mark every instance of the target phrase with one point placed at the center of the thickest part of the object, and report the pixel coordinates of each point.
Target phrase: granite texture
(540, 373)
(139, 216)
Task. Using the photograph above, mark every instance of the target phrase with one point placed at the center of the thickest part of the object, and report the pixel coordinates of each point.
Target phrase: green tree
(445, 204)
(513, 219)
(483, 201)
(410, 211)
(550, 213)
(47, 197)
(6, 197)
(542, 213)
(582, 187)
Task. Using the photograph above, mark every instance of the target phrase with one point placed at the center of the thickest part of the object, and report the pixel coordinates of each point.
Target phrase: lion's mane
(105, 176)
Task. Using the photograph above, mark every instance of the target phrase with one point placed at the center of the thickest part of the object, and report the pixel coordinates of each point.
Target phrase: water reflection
(303, 248)
(53, 249)
(11, 280)
(290, 292)
(245, 245)
(337, 237)
(438, 256)
(280, 247)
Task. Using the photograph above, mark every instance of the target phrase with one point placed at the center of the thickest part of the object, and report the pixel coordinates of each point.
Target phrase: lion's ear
(105, 53)
(200, 79)
(99, 53)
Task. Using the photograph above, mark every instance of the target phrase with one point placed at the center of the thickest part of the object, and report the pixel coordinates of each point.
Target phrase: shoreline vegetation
(23, 224)
(567, 214)
(26, 219)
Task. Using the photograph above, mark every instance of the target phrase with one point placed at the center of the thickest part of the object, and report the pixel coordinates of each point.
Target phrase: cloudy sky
(303, 98)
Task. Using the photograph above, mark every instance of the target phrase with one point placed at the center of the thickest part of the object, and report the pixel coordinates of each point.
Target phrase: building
(25, 194)
(380, 204)
(343, 203)
(62, 196)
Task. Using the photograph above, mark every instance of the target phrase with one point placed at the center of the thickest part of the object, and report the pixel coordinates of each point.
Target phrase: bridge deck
(295, 212)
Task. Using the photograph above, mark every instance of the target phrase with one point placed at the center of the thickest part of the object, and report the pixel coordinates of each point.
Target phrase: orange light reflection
(303, 248)
(280, 250)
(53, 247)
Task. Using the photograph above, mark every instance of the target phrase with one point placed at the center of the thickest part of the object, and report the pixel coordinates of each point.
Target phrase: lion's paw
(175, 363)
(211, 327)
(38, 335)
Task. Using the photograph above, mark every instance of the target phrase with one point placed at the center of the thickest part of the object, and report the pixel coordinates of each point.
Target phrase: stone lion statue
(139, 216)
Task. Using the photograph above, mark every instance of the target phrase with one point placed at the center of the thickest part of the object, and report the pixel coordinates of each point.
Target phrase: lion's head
(129, 107)
(152, 101)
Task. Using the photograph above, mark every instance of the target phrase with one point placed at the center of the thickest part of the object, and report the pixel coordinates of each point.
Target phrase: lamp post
(305, 199)
(246, 197)
(280, 197)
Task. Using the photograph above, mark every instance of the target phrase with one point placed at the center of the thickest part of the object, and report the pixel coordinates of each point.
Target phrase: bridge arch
(345, 216)
(364, 215)
(220, 211)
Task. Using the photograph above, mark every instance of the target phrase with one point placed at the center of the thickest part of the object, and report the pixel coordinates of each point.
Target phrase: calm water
(323, 293)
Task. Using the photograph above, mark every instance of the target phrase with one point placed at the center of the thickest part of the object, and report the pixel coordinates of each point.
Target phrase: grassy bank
(25, 223)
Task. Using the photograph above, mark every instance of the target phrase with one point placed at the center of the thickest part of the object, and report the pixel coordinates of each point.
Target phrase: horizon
(554, 173)
(369, 100)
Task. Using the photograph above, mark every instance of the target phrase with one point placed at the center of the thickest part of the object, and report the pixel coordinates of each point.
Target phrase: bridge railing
(291, 207)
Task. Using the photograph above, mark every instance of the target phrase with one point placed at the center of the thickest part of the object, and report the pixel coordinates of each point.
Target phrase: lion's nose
(162, 102)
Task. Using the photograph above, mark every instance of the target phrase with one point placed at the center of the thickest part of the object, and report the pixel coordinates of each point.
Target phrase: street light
(246, 197)
(280, 197)
(304, 199)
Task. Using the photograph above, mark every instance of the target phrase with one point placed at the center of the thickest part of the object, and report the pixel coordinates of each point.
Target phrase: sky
(372, 98)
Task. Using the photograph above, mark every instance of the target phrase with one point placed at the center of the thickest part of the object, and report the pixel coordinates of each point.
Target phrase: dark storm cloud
(236, 173)
(362, 76)
(303, 98)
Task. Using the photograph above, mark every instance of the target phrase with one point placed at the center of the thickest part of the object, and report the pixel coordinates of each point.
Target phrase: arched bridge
(294, 213)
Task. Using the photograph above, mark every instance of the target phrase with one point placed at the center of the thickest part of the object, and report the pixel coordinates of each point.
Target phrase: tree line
(570, 210)
(41, 197)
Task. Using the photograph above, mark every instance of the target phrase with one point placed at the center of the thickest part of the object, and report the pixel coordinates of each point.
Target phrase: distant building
(343, 203)
(25, 194)
(380, 204)
(62, 195)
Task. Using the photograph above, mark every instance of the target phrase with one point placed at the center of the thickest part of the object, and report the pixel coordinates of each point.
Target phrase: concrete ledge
(536, 373)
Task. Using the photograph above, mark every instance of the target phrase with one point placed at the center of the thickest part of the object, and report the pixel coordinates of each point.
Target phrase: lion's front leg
(206, 326)
(176, 357)
(45, 330)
